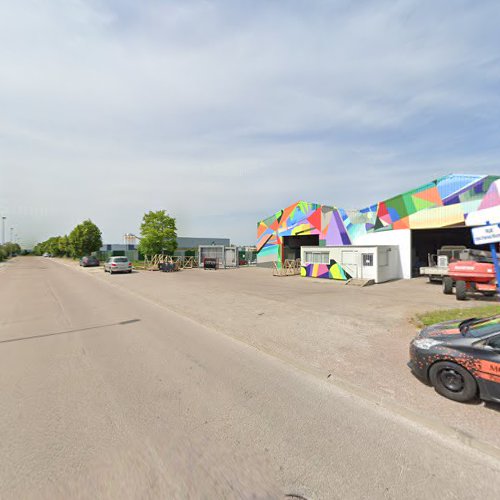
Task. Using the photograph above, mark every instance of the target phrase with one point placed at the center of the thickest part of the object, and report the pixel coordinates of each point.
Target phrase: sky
(222, 112)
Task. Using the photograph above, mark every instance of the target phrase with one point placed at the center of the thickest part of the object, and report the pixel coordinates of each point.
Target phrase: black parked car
(461, 359)
(89, 261)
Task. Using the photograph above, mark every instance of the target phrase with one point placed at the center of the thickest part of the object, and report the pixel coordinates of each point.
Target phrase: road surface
(106, 395)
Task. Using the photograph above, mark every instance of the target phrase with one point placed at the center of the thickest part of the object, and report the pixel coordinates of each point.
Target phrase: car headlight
(426, 343)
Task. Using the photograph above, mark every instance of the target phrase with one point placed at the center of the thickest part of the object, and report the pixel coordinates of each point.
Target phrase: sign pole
(489, 234)
(496, 264)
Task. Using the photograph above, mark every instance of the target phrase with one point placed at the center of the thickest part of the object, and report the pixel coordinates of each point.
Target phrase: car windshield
(485, 326)
(120, 259)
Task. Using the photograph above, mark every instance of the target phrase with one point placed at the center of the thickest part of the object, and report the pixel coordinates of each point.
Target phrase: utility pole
(11, 241)
(3, 229)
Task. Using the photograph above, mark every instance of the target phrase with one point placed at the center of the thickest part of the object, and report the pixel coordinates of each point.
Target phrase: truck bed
(434, 271)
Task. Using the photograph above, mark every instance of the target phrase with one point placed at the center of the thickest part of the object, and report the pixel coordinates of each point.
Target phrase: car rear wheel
(461, 290)
(447, 285)
(453, 381)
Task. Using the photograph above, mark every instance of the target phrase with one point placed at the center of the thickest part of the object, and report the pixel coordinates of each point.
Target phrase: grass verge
(430, 318)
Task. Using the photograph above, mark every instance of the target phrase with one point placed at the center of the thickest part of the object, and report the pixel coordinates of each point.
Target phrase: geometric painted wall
(444, 202)
(329, 271)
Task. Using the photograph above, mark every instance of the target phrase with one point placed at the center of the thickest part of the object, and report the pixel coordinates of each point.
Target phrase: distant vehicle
(118, 265)
(46, 254)
(89, 261)
(461, 359)
(447, 256)
(437, 267)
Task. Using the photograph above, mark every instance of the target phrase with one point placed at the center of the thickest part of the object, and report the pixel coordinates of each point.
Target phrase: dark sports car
(460, 358)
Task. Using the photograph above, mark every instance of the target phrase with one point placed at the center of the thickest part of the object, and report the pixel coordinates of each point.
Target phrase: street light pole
(10, 241)
(3, 229)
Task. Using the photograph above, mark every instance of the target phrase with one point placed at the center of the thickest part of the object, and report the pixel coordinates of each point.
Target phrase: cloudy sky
(224, 111)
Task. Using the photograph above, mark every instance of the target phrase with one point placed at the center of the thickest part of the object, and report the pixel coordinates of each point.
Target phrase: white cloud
(223, 111)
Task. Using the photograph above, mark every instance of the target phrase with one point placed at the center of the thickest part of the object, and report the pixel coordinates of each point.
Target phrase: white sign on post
(484, 235)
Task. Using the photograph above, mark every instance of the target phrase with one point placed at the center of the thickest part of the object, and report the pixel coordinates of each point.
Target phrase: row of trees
(158, 235)
(83, 240)
(9, 249)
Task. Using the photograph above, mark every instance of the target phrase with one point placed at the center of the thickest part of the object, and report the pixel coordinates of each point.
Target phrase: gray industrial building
(184, 245)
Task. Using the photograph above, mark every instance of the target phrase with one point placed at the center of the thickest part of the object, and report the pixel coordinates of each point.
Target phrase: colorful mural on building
(444, 202)
(328, 271)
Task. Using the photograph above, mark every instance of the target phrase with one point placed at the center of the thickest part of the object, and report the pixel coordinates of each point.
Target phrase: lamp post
(3, 229)
(11, 241)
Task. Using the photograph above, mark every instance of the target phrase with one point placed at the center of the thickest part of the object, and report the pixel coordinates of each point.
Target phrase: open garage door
(428, 241)
(292, 244)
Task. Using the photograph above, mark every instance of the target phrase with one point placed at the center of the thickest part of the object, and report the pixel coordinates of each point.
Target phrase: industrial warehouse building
(406, 228)
(185, 246)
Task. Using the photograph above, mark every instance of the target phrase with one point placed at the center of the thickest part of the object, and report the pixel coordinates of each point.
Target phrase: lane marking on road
(449, 434)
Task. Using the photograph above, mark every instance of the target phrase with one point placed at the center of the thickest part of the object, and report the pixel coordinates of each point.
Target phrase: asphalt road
(104, 395)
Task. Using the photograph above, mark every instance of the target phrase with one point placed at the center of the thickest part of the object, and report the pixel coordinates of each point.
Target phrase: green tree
(84, 239)
(158, 234)
(63, 246)
(52, 245)
(9, 249)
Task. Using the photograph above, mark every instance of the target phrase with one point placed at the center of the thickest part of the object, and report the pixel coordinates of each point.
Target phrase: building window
(367, 259)
(317, 257)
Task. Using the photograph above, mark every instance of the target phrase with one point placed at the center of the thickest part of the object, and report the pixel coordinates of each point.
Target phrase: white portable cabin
(379, 263)
(227, 256)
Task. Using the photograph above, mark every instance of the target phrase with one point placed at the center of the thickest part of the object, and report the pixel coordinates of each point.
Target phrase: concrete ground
(108, 392)
(356, 336)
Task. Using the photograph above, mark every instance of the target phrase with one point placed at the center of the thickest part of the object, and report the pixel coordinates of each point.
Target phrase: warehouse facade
(417, 223)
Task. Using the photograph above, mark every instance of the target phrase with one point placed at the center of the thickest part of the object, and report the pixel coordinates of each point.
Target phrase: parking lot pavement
(351, 335)
(106, 395)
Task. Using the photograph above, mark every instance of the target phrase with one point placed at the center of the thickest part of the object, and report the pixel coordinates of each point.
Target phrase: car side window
(495, 342)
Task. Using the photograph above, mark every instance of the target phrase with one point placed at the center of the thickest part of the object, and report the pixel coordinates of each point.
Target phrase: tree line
(158, 235)
(9, 249)
(84, 239)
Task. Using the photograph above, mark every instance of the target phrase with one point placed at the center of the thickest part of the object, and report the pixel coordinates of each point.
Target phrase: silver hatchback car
(118, 265)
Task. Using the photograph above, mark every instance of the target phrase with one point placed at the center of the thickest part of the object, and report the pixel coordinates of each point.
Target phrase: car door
(490, 366)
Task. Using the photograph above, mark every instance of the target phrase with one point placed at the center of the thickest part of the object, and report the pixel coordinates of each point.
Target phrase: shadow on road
(79, 330)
